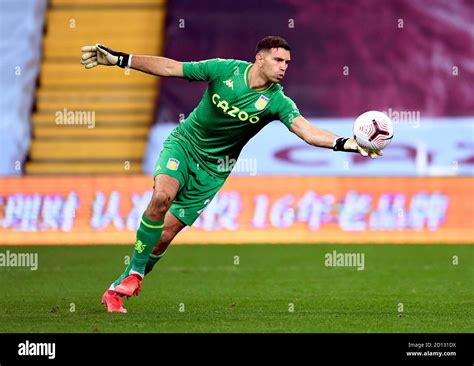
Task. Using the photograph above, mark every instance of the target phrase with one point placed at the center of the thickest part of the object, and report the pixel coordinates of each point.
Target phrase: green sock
(148, 234)
(152, 260)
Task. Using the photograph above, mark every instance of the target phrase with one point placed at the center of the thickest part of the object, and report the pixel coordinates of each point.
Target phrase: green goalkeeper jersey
(229, 114)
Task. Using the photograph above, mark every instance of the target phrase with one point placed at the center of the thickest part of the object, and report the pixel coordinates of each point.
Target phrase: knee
(159, 204)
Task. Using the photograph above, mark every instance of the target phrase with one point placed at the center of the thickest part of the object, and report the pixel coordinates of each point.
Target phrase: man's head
(272, 58)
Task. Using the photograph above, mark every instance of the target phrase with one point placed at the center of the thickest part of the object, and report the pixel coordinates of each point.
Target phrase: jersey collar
(246, 76)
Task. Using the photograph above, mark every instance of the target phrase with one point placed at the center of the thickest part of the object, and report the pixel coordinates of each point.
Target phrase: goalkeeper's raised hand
(101, 55)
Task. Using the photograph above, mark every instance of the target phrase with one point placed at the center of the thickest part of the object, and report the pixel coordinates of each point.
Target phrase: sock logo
(139, 246)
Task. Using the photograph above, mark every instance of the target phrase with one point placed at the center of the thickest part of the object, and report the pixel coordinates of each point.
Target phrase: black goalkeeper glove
(101, 55)
(351, 145)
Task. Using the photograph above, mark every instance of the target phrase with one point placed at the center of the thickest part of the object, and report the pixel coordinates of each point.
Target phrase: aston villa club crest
(261, 102)
(172, 164)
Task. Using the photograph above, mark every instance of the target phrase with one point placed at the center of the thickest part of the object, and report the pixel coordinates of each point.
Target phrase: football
(373, 130)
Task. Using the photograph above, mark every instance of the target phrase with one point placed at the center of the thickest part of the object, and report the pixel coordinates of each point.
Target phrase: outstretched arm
(155, 65)
(322, 138)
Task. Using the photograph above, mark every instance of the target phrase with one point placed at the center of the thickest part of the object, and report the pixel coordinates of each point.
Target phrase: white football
(373, 130)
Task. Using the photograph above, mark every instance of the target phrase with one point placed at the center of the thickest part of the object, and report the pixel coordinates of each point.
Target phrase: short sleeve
(205, 70)
(287, 111)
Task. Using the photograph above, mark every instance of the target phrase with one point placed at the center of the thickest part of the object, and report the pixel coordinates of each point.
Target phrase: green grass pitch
(273, 288)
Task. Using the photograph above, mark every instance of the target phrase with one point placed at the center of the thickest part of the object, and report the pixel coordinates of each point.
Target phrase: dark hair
(270, 42)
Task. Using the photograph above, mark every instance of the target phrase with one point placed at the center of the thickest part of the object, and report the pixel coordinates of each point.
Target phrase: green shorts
(196, 186)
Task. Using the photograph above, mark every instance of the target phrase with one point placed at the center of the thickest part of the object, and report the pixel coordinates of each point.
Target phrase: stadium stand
(77, 126)
(21, 25)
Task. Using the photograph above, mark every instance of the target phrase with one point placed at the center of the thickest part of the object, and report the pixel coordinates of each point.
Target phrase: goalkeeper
(240, 100)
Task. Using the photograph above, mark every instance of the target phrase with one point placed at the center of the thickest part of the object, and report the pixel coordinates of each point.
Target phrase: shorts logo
(172, 164)
(261, 102)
